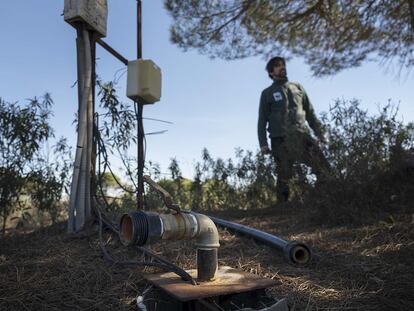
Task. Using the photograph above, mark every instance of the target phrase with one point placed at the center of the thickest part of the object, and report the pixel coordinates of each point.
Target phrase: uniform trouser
(302, 148)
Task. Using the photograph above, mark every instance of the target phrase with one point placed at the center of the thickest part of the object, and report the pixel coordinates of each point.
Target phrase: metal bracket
(166, 197)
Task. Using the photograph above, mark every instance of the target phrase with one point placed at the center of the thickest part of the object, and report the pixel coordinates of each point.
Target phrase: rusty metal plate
(227, 281)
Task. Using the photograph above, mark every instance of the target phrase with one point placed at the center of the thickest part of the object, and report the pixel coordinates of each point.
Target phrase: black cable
(111, 259)
(158, 120)
(159, 262)
(140, 123)
(144, 118)
(102, 150)
(100, 173)
(125, 162)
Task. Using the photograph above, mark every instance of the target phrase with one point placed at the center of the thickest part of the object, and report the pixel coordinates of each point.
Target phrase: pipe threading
(134, 228)
(140, 228)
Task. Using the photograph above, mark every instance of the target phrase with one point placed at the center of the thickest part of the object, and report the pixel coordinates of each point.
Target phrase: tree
(24, 168)
(22, 129)
(330, 35)
(48, 176)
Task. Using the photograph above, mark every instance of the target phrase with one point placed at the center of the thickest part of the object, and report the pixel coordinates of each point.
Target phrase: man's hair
(272, 63)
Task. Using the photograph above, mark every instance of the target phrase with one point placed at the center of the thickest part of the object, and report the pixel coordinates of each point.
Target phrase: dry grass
(365, 267)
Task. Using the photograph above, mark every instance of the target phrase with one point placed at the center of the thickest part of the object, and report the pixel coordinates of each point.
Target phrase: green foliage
(108, 181)
(24, 169)
(218, 184)
(330, 35)
(118, 123)
(367, 154)
(114, 193)
(11, 184)
(22, 131)
(367, 174)
(48, 177)
(116, 130)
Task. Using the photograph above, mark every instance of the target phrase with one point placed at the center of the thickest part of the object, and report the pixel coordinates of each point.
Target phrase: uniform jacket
(285, 106)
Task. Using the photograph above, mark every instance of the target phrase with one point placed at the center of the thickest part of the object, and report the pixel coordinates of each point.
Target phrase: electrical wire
(159, 120)
(102, 150)
(141, 124)
(156, 261)
(116, 78)
(144, 118)
(157, 132)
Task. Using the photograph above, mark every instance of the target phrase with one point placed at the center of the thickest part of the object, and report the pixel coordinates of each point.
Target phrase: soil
(354, 267)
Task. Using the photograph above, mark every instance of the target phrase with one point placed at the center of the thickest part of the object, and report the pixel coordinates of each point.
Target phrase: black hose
(295, 252)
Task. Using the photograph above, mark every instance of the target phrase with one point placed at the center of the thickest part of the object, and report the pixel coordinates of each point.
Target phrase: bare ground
(365, 267)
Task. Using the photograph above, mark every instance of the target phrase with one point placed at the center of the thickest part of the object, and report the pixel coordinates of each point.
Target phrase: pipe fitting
(179, 226)
(207, 235)
(207, 244)
(140, 228)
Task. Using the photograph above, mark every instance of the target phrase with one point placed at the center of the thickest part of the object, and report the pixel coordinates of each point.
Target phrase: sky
(212, 103)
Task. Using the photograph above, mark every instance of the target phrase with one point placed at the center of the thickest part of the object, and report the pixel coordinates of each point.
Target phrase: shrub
(24, 167)
(362, 150)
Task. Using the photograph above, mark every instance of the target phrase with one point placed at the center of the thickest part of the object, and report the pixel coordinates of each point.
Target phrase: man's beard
(281, 78)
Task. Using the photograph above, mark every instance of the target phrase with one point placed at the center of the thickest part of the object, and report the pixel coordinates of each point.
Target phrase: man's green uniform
(286, 112)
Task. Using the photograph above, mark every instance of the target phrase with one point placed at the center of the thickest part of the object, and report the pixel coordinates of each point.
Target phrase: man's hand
(265, 150)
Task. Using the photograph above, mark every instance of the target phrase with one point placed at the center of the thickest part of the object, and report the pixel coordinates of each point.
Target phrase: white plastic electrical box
(144, 81)
(92, 12)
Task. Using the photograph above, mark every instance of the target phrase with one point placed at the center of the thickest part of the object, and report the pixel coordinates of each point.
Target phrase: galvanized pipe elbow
(141, 228)
(207, 244)
(207, 235)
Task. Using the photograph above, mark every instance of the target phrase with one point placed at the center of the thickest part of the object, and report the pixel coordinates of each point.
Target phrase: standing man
(287, 114)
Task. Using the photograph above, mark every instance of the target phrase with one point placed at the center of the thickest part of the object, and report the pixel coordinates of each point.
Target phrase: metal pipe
(89, 127)
(295, 252)
(207, 234)
(93, 141)
(207, 244)
(207, 263)
(139, 29)
(83, 203)
(140, 228)
(77, 195)
(140, 125)
(140, 154)
(76, 166)
(112, 51)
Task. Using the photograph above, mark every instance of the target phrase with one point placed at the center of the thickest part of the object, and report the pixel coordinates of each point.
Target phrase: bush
(25, 171)
(364, 151)
(218, 185)
(366, 175)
